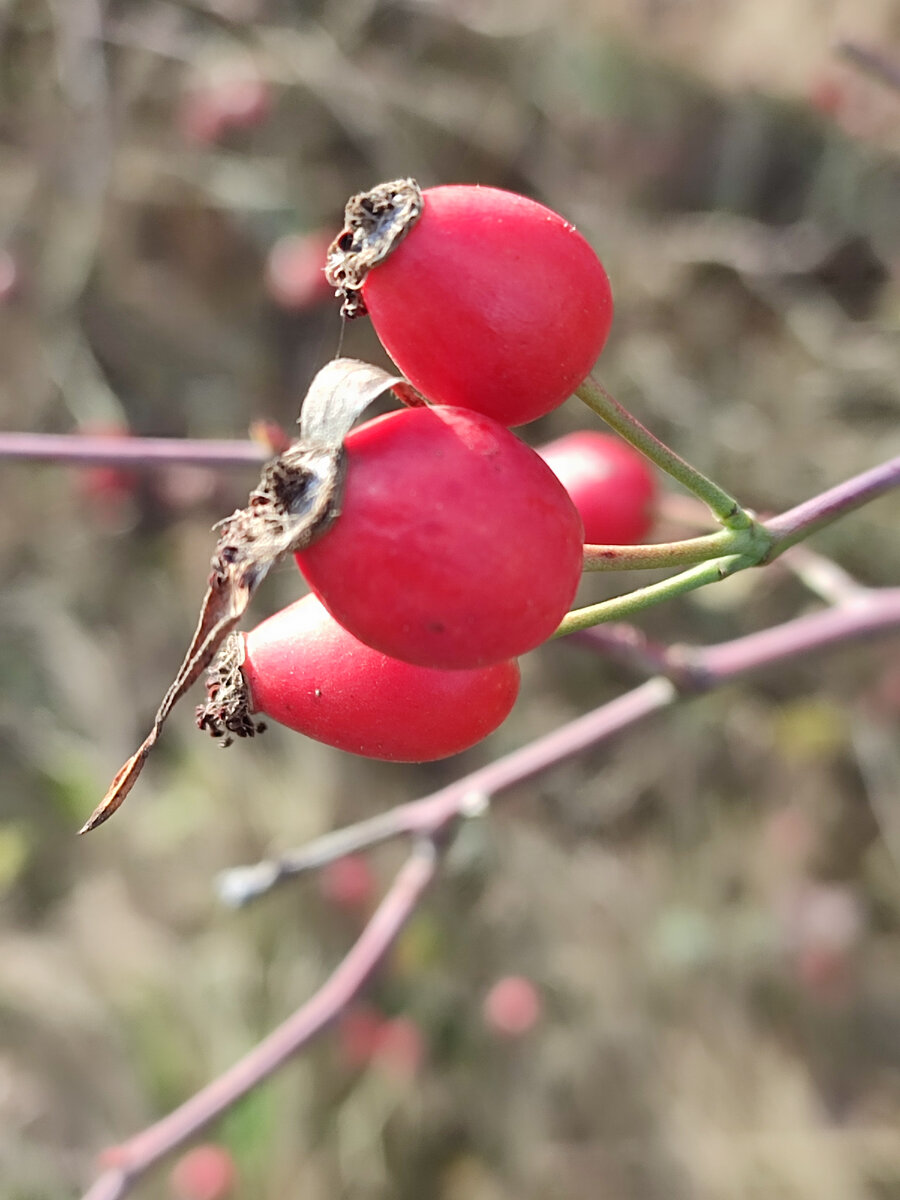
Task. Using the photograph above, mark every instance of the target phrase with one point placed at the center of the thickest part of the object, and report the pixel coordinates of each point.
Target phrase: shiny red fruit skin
(491, 302)
(611, 484)
(456, 546)
(308, 673)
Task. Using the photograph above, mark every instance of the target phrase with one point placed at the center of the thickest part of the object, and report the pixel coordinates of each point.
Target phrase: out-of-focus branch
(866, 615)
(873, 62)
(129, 1162)
(822, 576)
(89, 450)
(678, 671)
(433, 815)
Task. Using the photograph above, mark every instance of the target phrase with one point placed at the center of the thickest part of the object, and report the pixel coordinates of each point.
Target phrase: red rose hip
(611, 484)
(456, 546)
(305, 671)
(512, 1007)
(207, 1172)
(489, 301)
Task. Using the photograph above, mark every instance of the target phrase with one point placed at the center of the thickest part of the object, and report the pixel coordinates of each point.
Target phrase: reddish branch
(90, 450)
(130, 1161)
(799, 522)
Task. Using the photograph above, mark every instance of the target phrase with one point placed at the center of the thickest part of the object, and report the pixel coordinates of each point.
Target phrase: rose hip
(305, 671)
(484, 299)
(512, 1007)
(456, 546)
(611, 484)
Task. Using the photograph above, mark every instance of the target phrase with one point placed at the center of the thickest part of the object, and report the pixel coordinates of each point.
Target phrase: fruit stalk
(723, 506)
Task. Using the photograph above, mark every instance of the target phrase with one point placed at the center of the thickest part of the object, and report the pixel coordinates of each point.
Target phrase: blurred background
(699, 922)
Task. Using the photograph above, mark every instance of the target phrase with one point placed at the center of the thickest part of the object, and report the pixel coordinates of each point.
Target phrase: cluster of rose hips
(457, 547)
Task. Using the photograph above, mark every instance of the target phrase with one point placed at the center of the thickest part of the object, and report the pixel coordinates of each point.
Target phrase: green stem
(723, 506)
(665, 554)
(625, 606)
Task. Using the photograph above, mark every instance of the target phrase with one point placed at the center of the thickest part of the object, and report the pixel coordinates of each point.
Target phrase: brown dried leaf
(297, 499)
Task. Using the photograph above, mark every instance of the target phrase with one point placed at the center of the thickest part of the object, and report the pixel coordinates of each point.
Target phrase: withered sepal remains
(296, 500)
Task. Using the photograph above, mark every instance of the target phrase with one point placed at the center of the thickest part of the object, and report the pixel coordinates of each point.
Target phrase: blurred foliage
(710, 906)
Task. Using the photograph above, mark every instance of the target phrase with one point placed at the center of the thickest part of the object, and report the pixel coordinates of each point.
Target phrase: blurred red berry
(826, 972)
(827, 95)
(400, 1047)
(107, 487)
(822, 924)
(207, 1172)
(348, 882)
(295, 270)
(358, 1033)
(270, 435)
(200, 118)
(512, 1007)
(611, 484)
(9, 276)
(210, 110)
(245, 101)
(790, 835)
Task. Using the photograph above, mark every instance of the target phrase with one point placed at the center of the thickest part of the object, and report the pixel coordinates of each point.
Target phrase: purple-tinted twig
(678, 671)
(873, 62)
(132, 1159)
(433, 815)
(626, 644)
(95, 450)
(799, 522)
(138, 452)
(867, 612)
(865, 616)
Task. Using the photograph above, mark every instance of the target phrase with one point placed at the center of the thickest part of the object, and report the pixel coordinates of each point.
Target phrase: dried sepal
(226, 712)
(340, 394)
(374, 223)
(296, 500)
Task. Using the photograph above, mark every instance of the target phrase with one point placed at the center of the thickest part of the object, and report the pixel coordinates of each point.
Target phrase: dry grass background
(710, 906)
